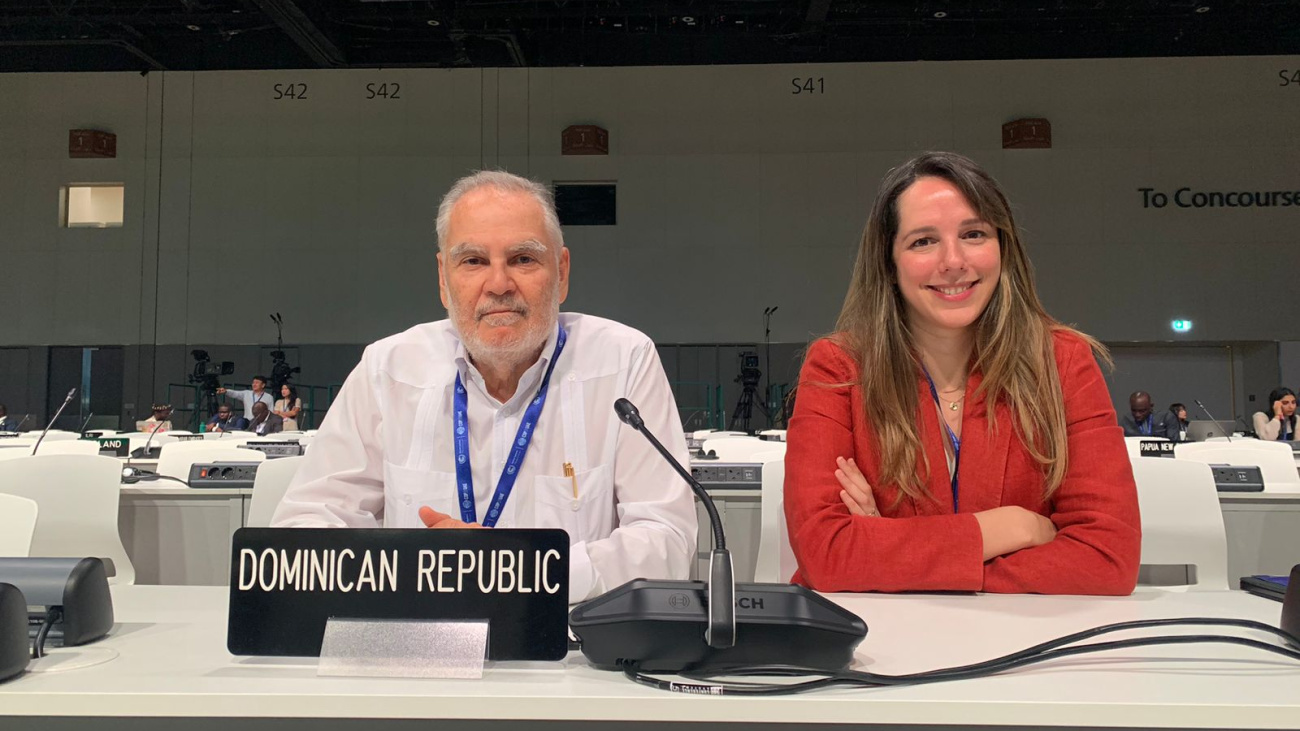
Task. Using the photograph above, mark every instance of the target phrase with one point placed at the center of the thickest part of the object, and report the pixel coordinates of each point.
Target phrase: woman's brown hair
(1013, 336)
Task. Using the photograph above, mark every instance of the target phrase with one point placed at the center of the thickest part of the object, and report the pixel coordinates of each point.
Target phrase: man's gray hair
(503, 182)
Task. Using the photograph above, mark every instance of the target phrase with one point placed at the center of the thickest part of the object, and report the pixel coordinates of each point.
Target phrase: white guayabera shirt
(386, 448)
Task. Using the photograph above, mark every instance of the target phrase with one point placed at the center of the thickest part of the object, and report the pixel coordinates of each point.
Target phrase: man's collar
(469, 372)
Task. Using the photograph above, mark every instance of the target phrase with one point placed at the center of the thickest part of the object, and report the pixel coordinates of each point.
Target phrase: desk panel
(172, 664)
(179, 535)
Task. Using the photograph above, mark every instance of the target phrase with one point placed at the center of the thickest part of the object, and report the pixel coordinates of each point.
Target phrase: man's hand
(433, 519)
(856, 494)
(220, 391)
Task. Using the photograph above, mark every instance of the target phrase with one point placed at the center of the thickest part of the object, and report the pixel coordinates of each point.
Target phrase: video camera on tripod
(281, 371)
(750, 375)
(207, 376)
(749, 378)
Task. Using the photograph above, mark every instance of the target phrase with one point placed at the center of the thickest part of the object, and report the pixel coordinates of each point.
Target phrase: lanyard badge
(523, 438)
(956, 443)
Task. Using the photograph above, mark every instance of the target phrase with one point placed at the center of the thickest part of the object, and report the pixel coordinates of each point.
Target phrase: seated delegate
(503, 414)
(950, 435)
(1280, 421)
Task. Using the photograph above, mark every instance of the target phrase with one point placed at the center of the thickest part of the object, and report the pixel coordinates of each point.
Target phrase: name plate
(8, 434)
(1155, 448)
(286, 583)
(114, 446)
(184, 437)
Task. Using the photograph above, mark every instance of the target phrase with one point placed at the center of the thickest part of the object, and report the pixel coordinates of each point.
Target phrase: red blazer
(921, 544)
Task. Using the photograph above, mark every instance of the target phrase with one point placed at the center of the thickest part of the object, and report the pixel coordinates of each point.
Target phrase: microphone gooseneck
(1201, 406)
(144, 451)
(628, 414)
(57, 414)
(720, 632)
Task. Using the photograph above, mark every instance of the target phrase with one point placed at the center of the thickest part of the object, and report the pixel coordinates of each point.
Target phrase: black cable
(52, 615)
(1043, 652)
(151, 477)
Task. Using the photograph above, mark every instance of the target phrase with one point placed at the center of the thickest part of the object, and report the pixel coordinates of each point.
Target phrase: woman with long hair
(949, 434)
(1279, 422)
(288, 406)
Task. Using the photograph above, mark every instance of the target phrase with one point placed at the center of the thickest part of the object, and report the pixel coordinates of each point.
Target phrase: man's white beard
(511, 353)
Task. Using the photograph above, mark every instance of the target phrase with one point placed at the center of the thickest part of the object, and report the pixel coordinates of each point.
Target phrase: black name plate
(286, 583)
(1155, 448)
(114, 446)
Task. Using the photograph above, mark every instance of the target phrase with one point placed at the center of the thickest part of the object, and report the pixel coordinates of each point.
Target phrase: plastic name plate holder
(400, 648)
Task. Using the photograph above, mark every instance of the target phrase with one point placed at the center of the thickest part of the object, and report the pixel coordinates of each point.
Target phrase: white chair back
(57, 435)
(13, 448)
(17, 524)
(176, 459)
(273, 478)
(78, 499)
(714, 433)
(740, 449)
(139, 439)
(1182, 523)
(776, 562)
(1276, 460)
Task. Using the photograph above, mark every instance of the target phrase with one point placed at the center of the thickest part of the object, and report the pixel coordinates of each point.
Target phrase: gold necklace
(954, 404)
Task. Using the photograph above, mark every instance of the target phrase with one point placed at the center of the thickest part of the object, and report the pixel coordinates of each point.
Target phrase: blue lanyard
(956, 443)
(1145, 426)
(524, 437)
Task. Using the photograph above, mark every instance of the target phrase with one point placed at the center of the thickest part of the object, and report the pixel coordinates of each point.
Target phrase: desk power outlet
(1237, 478)
(223, 474)
(728, 475)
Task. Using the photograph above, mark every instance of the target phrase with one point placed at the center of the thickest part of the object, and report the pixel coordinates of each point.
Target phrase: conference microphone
(57, 414)
(721, 631)
(1201, 406)
(144, 451)
(655, 625)
(86, 423)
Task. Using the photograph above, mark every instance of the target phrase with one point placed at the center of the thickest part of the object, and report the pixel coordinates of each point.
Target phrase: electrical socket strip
(223, 474)
(728, 475)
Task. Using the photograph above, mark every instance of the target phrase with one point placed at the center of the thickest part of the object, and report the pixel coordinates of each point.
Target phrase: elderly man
(503, 414)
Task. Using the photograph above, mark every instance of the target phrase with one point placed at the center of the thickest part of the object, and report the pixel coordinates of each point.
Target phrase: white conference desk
(1263, 530)
(180, 535)
(172, 664)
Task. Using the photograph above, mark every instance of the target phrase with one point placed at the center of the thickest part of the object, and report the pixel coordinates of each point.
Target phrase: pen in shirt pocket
(573, 476)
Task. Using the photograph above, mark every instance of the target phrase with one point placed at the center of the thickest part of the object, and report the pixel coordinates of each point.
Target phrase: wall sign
(1193, 198)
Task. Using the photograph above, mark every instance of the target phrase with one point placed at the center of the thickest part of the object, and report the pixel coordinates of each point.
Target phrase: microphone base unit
(661, 625)
(1291, 606)
(76, 589)
(14, 648)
